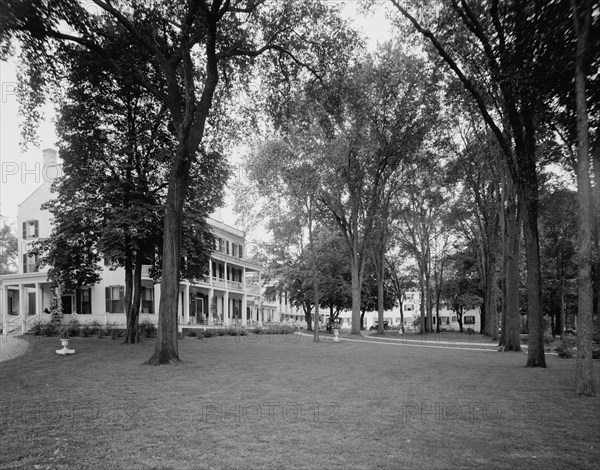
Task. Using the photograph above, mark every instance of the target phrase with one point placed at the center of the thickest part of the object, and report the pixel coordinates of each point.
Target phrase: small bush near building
(37, 328)
(147, 329)
(73, 328)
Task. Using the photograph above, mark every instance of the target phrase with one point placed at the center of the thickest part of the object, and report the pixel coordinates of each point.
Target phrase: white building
(411, 306)
(230, 294)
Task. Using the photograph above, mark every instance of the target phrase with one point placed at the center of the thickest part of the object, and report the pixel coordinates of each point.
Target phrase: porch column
(23, 307)
(226, 278)
(244, 306)
(156, 302)
(259, 295)
(4, 311)
(226, 308)
(210, 320)
(186, 303)
(39, 301)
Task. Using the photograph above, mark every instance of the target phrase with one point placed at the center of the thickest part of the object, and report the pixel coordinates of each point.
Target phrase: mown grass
(327, 405)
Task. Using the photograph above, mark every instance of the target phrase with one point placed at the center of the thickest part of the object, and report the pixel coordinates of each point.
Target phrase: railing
(252, 289)
(218, 282)
(235, 285)
(146, 271)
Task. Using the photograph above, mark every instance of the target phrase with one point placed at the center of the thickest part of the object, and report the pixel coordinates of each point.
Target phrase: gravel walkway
(12, 346)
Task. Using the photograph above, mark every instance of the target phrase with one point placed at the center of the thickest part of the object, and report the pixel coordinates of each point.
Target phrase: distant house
(230, 294)
(411, 306)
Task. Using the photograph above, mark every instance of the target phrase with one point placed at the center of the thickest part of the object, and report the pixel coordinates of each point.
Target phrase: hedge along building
(229, 294)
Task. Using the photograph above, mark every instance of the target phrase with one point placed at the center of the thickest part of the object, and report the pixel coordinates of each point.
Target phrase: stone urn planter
(65, 347)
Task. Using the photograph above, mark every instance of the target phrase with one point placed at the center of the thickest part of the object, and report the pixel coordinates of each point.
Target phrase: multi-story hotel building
(230, 294)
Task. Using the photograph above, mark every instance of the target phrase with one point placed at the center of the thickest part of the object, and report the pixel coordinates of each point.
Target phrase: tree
(558, 226)
(370, 295)
(384, 110)
(9, 248)
(402, 279)
(421, 217)
(462, 287)
(188, 48)
(582, 20)
(498, 52)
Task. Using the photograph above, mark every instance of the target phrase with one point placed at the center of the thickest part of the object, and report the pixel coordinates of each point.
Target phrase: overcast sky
(21, 172)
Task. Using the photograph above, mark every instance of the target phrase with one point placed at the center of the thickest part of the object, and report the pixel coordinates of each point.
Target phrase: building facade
(230, 294)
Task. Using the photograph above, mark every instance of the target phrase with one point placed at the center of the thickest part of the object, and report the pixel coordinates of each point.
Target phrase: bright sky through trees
(20, 175)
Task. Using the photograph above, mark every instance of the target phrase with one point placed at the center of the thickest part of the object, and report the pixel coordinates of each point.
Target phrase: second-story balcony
(235, 285)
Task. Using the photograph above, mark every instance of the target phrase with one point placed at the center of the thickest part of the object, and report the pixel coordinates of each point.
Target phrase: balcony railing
(253, 288)
(235, 285)
(146, 271)
(218, 282)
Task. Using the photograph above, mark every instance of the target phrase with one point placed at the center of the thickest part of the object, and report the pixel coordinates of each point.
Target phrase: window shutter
(107, 299)
(241, 251)
(121, 292)
(24, 230)
(37, 228)
(24, 263)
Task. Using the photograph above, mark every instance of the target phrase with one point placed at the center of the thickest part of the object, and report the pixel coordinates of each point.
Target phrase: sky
(21, 170)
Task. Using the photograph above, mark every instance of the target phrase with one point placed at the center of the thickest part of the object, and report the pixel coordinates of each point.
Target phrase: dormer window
(31, 229)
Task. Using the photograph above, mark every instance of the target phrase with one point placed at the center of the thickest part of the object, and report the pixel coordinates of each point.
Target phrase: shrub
(192, 333)
(470, 331)
(114, 330)
(147, 329)
(38, 328)
(564, 348)
(51, 329)
(257, 330)
(73, 328)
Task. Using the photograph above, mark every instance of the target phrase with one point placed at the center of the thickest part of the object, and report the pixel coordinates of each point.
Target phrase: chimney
(50, 168)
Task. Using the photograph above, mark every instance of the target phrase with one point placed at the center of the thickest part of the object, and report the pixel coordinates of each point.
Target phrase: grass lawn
(285, 402)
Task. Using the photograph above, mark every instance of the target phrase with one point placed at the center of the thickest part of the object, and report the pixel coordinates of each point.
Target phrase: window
(454, 318)
(444, 321)
(114, 299)
(409, 307)
(86, 301)
(30, 263)
(31, 229)
(67, 302)
(147, 300)
(240, 251)
(469, 320)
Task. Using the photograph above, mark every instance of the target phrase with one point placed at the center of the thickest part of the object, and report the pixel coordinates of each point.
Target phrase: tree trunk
(584, 366)
(167, 350)
(133, 321)
(380, 269)
(356, 286)
(422, 306)
(308, 318)
(535, 326)
(315, 282)
(429, 323)
(512, 315)
(491, 328)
